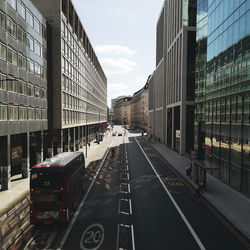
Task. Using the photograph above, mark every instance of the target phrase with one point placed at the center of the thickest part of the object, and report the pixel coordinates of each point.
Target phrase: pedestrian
(198, 192)
(89, 144)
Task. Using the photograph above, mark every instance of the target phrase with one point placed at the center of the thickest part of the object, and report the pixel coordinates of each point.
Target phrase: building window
(12, 85)
(3, 112)
(22, 62)
(21, 35)
(12, 56)
(36, 91)
(37, 69)
(30, 65)
(12, 3)
(44, 33)
(44, 53)
(11, 27)
(30, 42)
(44, 114)
(31, 114)
(36, 25)
(29, 18)
(2, 20)
(44, 74)
(2, 52)
(31, 91)
(38, 114)
(63, 27)
(23, 113)
(21, 9)
(37, 48)
(22, 87)
(3, 82)
(13, 113)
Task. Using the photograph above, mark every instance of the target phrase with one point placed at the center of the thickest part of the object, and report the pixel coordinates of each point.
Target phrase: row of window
(73, 117)
(72, 72)
(27, 15)
(71, 87)
(15, 113)
(17, 59)
(22, 87)
(69, 46)
(25, 38)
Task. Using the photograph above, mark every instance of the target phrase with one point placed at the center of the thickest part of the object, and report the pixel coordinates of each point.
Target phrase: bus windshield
(46, 177)
(46, 184)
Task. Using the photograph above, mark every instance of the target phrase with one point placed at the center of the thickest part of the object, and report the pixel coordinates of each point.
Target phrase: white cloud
(116, 89)
(114, 50)
(117, 66)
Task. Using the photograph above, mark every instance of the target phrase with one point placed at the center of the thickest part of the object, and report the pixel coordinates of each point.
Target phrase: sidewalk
(232, 204)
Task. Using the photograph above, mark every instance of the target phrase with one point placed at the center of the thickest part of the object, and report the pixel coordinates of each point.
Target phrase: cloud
(116, 89)
(114, 50)
(117, 66)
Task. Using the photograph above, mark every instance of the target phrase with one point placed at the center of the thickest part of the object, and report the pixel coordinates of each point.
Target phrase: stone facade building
(23, 88)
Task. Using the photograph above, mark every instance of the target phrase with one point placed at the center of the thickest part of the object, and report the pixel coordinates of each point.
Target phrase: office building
(78, 86)
(23, 88)
(172, 84)
(222, 91)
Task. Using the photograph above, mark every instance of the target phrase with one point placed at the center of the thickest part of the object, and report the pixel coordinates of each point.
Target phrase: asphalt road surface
(139, 202)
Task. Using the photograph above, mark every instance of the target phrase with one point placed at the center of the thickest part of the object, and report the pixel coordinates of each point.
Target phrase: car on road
(119, 134)
(113, 134)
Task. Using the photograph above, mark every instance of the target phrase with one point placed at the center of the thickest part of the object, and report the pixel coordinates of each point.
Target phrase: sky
(123, 35)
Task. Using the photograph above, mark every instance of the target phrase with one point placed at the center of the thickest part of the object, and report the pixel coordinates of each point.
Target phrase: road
(136, 201)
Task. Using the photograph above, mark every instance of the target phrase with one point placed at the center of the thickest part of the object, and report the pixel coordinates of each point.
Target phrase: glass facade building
(222, 93)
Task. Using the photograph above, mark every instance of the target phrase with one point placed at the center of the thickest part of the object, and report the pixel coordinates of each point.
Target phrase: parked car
(113, 134)
(119, 134)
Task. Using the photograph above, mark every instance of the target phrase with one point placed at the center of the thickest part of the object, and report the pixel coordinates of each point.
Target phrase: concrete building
(173, 79)
(133, 109)
(122, 111)
(78, 85)
(139, 108)
(23, 88)
(222, 91)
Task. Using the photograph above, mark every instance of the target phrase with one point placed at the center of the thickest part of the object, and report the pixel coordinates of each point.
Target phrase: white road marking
(124, 225)
(124, 213)
(130, 206)
(133, 237)
(195, 236)
(64, 238)
(128, 188)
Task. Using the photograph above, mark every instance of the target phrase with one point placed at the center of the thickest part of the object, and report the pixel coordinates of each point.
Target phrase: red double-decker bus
(56, 187)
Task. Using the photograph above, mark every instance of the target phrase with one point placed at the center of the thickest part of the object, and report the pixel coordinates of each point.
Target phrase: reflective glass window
(21, 9)
(2, 51)
(29, 17)
(12, 56)
(2, 20)
(21, 35)
(36, 25)
(11, 26)
(30, 42)
(12, 3)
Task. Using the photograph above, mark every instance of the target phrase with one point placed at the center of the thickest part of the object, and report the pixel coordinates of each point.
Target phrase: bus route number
(92, 237)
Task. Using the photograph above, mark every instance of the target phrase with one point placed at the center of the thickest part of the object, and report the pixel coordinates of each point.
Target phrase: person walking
(198, 193)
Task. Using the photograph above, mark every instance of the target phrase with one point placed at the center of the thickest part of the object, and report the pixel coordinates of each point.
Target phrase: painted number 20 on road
(92, 237)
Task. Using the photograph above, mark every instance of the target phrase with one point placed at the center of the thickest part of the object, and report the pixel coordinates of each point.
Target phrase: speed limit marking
(92, 237)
